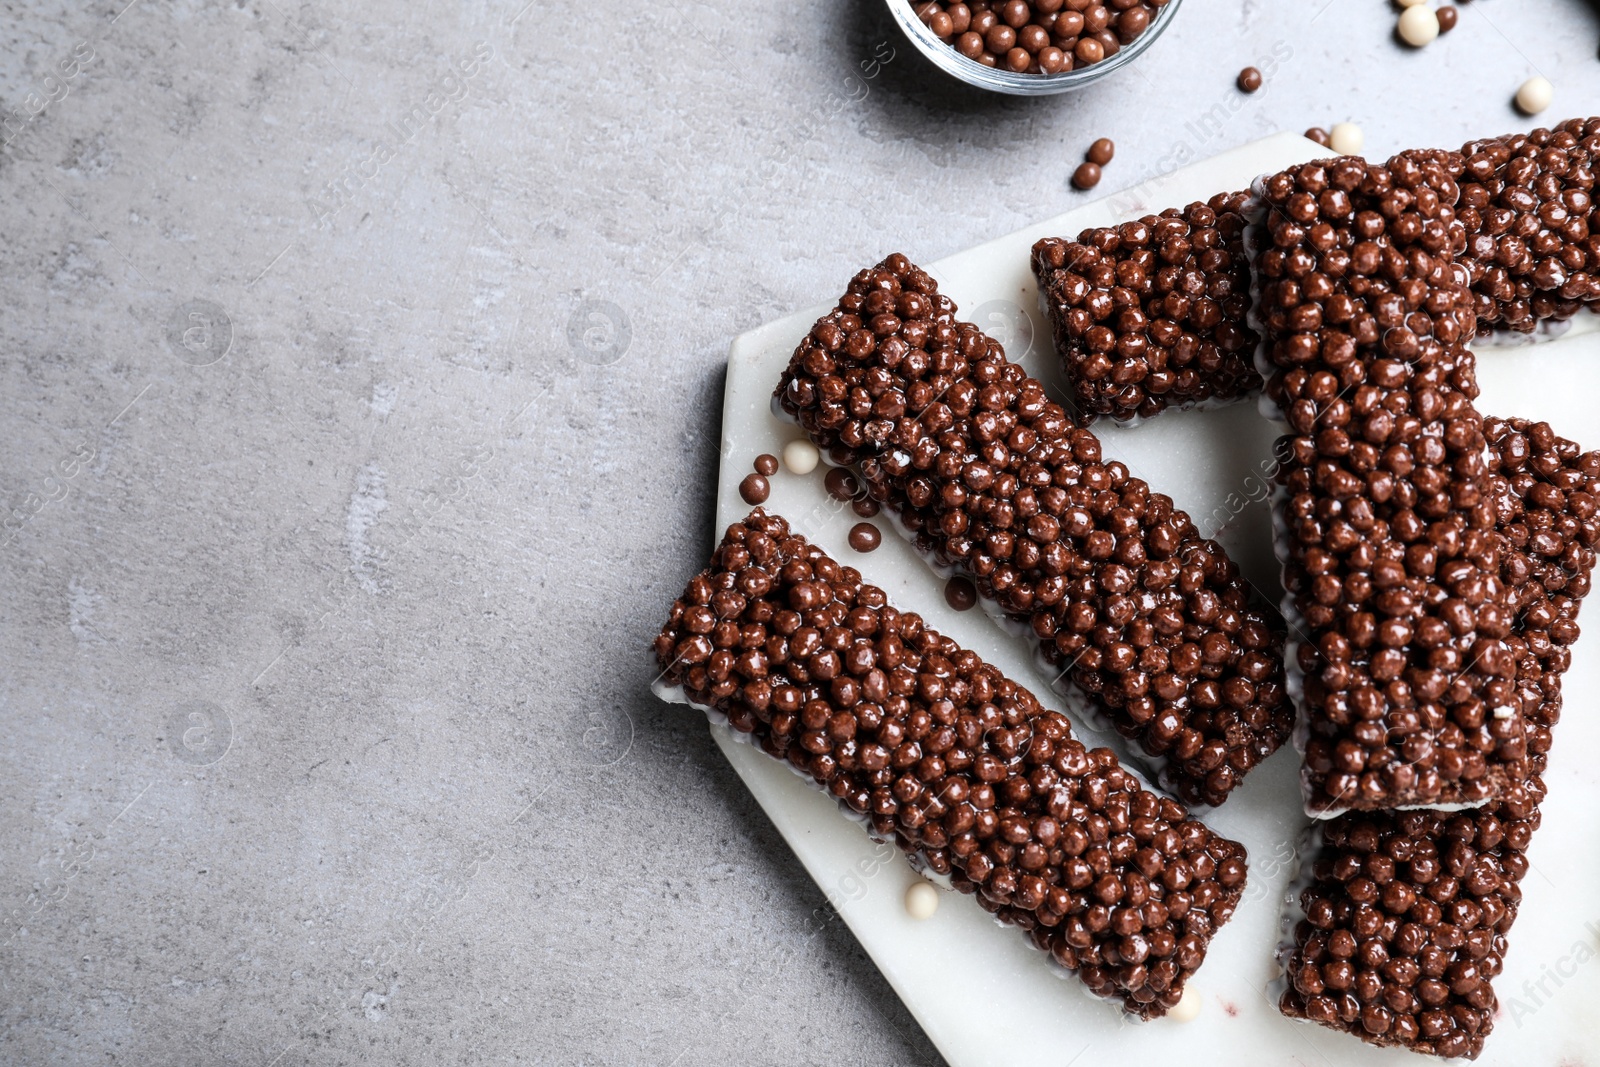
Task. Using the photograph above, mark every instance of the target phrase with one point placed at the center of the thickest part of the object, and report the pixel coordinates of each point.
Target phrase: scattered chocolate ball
(766, 464)
(841, 484)
(960, 593)
(1535, 95)
(1249, 80)
(864, 506)
(1101, 151)
(1087, 176)
(922, 899)
(864, 537)
(1038, 36)
(1418, 25)
(1318, 134)
(755, 489)
(1447, 18)
(801, 457)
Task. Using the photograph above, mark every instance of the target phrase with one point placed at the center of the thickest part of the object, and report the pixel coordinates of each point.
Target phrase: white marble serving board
(981, 992)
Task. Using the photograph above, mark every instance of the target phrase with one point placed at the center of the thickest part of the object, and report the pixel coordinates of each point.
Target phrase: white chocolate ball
(922, 899)
(1418, 25)
(1347, 139)
(1535, 95)
(801, 457)
(1411, 3)
(1187, 1010)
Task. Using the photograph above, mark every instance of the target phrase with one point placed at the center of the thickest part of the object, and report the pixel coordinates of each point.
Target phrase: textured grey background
(323, 672)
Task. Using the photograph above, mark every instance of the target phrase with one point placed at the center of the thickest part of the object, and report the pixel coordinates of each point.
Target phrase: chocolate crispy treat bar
(1406, 917)
(1386, 525)
(1151, 621)
(1151, 315)
(963, 767)
(1533, 244)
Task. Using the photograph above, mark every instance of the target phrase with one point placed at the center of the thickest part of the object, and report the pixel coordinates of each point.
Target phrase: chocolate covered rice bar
(1151, 314)
(1386, 525)
(964, 769)
(1403, 924)
(1533, 244)
(990, 477)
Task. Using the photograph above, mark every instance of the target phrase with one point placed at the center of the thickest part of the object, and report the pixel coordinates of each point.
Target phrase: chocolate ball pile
(755, 489)
(1038, 36)
(1392, 564)
(1150, 314)
(961, 766)
(1533, 246)
(1150, 620)
(1405, 922)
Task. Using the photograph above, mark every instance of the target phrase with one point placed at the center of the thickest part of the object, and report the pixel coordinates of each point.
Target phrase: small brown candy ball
(754, 489)
(1131, 23)
(1319, 135)
(864, 537)
(1101, 151)
(1034, 38)
(1000, 39)
(766, 464)
(1087, 176)
(841, 484)
(1249, 80)
(1447, 18)
(960, 593)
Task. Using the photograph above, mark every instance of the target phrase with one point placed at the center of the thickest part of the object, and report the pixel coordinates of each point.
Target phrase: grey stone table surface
(360, 386)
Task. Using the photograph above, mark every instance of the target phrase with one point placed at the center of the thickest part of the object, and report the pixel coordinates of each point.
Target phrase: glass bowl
(947, 59)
